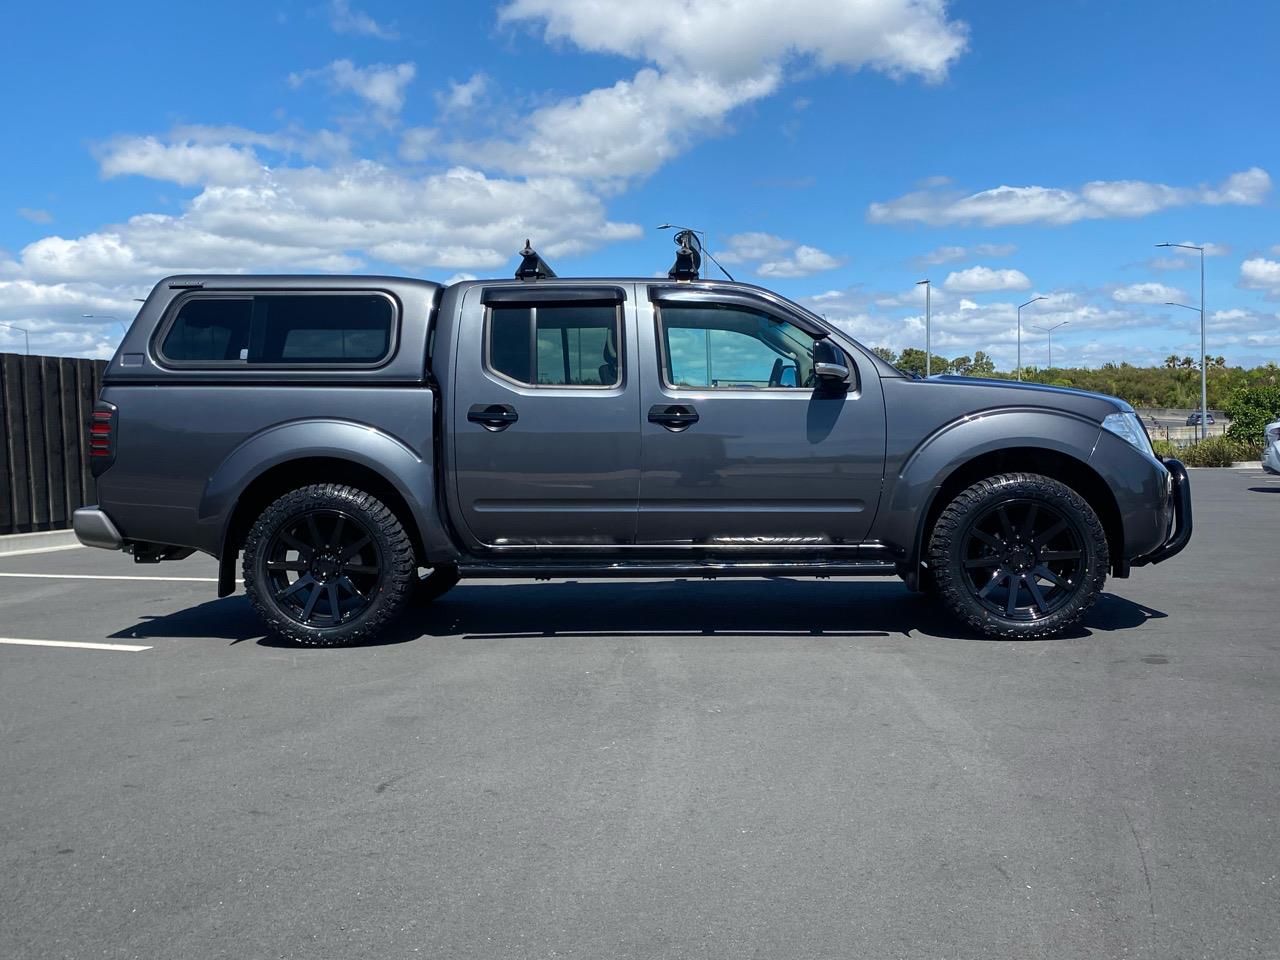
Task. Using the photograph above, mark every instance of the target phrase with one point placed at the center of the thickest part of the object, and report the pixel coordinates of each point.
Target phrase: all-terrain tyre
(1018, 556)
(328, 565)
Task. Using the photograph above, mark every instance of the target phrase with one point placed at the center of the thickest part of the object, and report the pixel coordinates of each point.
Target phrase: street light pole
(23, 331)
(1204, 367)
(1204, 419)
(1020, 306)
(928, 349)
(1049, 331)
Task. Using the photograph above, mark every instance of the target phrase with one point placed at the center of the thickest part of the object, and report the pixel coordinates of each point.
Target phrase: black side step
(711, 569)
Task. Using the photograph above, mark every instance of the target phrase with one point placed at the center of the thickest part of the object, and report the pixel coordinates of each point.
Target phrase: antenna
(693, 239)
(532, 266)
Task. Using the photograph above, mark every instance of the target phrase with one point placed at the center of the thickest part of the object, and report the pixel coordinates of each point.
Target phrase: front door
(545, 425)
(741, 448)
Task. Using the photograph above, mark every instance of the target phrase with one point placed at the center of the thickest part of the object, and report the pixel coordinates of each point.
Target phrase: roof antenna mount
(532, 266)
(689, 256)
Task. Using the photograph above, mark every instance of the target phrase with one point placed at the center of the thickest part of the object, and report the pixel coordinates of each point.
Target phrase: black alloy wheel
(323, 568)
(328, 564)
(1018, 556)
(1023, 558)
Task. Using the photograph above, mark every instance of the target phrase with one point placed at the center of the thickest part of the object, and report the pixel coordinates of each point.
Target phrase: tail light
(102, 436)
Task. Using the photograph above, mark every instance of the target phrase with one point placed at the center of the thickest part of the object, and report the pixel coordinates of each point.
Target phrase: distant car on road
(1271, 447)
(1194, 419)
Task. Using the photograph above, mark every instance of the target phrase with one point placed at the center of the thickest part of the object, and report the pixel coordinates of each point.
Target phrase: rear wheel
(327, 565)
(1018, 556)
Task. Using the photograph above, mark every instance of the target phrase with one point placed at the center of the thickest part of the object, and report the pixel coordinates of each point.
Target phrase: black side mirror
(830, 365)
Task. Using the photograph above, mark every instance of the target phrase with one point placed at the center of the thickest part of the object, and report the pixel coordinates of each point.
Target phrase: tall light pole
(1204, 367)
(1204, 419)
(25, 333)
(928, 350)
(1049, 331)
(1020, 306)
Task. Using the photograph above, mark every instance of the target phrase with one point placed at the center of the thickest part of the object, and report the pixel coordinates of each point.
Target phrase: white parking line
(25, 553)
(117, 647)
(98, 576)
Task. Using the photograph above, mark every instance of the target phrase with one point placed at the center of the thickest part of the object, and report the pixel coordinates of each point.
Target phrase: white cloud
(629, 129)
(344, 19)
(984, 280)
(1147, 293)
(805, 261)
(1099, 199)
(35, 215)
(772, 256)
(732, 39)
(461, 97)
(953, 254)
(1259, 273)
(418, 143)
(185, 162)
(743, 247)
(711, 58)
(381, 85)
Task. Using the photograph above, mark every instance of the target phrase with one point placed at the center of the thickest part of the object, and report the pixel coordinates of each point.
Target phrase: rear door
(545, 416)
(740, 448)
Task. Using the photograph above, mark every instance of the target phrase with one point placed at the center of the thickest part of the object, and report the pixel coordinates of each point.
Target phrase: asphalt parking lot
(781, 769)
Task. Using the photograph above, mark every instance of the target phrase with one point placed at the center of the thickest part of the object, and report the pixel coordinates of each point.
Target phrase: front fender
(926, 467)
(411, 473)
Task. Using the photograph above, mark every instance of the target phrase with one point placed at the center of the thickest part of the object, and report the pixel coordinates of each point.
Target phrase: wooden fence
(45, 407)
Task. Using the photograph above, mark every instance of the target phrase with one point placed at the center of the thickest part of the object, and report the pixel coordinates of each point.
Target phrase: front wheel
(1018, 556)
(328, 565)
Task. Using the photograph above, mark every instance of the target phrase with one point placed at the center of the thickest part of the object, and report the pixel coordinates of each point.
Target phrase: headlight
(1128, 427)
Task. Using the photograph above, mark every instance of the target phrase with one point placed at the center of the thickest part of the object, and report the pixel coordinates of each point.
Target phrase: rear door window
(555, 345)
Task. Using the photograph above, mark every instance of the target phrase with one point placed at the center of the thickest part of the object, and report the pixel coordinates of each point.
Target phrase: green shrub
(1166, 448)
(1214, 452)
(1251, 409)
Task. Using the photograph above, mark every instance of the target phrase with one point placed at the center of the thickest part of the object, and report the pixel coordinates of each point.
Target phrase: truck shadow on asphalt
(781, 608)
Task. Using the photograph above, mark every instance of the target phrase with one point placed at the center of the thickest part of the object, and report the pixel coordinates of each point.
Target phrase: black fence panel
(45, 407)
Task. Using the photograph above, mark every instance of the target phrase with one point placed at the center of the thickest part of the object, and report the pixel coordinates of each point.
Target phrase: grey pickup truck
(363, 441)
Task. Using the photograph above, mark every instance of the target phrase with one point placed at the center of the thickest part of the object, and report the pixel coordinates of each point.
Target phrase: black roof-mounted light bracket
(532, 266)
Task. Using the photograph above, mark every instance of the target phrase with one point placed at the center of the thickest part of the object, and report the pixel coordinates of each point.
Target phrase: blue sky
(835, 151)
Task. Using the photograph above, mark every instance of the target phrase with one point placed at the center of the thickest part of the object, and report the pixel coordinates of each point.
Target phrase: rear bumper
(94, 528)
(1180, 530)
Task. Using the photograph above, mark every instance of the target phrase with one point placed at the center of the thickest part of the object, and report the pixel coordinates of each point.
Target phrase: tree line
(1175, 384)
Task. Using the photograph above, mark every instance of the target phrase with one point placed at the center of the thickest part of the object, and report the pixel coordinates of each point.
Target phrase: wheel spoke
(358, 568)
(1036, 595)
(296, 544)
(337, 529)
(314, 532)
(1049, 534)
(297, 566)
(333, 601)
(316, 590)
(346, 584)
(995, 581)
(1047, 574)
(355, 548)
(986, 538)
(1051, 555)
(1029, 525)
(982, 562)
(1005, 526)
(1011, 604)
(299, 584)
